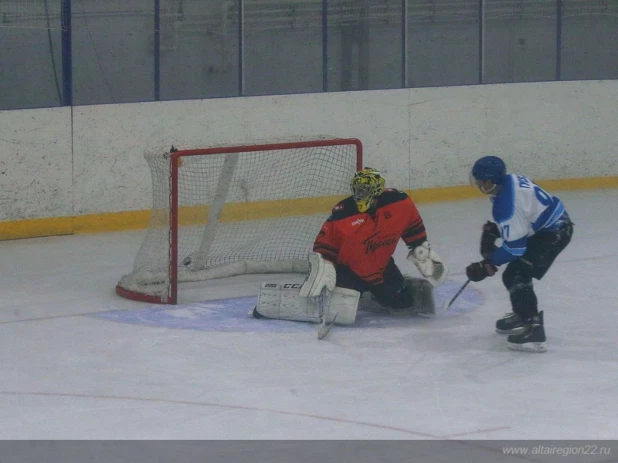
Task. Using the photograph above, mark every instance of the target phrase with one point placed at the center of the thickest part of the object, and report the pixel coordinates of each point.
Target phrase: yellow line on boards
(30, 228)
(134, 220)
(588, 183)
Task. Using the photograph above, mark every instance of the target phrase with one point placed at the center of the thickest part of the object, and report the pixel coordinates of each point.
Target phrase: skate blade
(528, 347)
(513, 331)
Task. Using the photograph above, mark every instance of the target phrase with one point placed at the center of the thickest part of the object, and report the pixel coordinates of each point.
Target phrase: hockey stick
(450, 303)
(324, 328)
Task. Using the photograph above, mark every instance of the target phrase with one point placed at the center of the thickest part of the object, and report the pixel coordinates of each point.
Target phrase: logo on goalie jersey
(372, 245)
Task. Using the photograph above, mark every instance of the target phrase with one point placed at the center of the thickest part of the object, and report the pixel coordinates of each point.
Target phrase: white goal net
(231, 210)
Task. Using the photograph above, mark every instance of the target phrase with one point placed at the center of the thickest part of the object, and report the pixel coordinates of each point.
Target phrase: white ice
(65, 374)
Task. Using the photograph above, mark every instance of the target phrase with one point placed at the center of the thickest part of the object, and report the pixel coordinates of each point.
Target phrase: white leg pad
(281, 301)
(322, 275)
(344, 303)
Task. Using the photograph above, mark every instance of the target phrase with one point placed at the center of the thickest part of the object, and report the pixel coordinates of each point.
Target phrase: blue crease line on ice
(234, 314)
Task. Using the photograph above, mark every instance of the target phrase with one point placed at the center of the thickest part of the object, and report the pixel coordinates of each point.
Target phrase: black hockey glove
(491, 233)
(478, 271)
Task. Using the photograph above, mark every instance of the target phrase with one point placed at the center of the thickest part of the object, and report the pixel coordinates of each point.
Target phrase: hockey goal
(230, 210)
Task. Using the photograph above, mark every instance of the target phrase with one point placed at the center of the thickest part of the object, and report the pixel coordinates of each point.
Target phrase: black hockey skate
(510, 324)
(532, 339)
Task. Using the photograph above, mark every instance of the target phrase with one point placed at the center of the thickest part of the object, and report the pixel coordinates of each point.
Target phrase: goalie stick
(323, 327)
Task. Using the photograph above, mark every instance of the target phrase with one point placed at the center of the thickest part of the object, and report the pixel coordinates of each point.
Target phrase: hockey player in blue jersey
(534, 227)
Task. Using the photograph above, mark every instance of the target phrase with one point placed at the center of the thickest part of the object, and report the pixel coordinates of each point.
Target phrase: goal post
(237, 209)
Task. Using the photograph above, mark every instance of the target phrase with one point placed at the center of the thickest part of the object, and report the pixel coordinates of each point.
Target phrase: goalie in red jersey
(353, 254)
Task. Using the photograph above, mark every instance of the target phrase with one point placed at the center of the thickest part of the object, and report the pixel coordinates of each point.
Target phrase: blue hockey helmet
(490, 168)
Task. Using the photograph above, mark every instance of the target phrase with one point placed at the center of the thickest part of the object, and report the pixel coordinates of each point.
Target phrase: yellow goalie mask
(367, 184)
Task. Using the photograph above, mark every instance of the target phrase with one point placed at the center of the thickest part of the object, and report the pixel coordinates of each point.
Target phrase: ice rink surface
(78, 362)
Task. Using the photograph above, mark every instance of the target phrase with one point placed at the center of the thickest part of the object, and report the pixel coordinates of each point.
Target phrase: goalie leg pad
(322, 274)
(281, 301)
(422, 296)
(419, 290)
(344, 303)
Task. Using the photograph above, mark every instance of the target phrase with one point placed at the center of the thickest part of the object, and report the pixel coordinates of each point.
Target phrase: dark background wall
(224, 48)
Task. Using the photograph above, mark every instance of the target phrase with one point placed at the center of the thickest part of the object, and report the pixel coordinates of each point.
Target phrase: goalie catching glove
(428, 263)
(322, 275)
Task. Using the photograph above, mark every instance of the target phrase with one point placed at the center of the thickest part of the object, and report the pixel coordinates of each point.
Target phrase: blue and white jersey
(522, 208)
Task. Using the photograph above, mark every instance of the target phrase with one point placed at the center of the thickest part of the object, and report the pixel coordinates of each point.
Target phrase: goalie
(353, 254)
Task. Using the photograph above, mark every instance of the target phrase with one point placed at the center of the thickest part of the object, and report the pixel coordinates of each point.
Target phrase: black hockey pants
(541, 252)
(393, 293)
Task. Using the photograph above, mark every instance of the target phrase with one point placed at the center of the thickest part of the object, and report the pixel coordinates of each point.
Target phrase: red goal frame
(175, 160)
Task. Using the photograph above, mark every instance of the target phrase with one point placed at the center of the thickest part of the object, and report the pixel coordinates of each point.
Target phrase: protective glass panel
(520, 41)
(199, 48)
(589, 40)
(113, 59)
(31, 55)
(443, 43)
(282, 44)
(364, 44)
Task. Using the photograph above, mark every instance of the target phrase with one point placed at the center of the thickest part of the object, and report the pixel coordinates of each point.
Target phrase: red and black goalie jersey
(365, 242)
